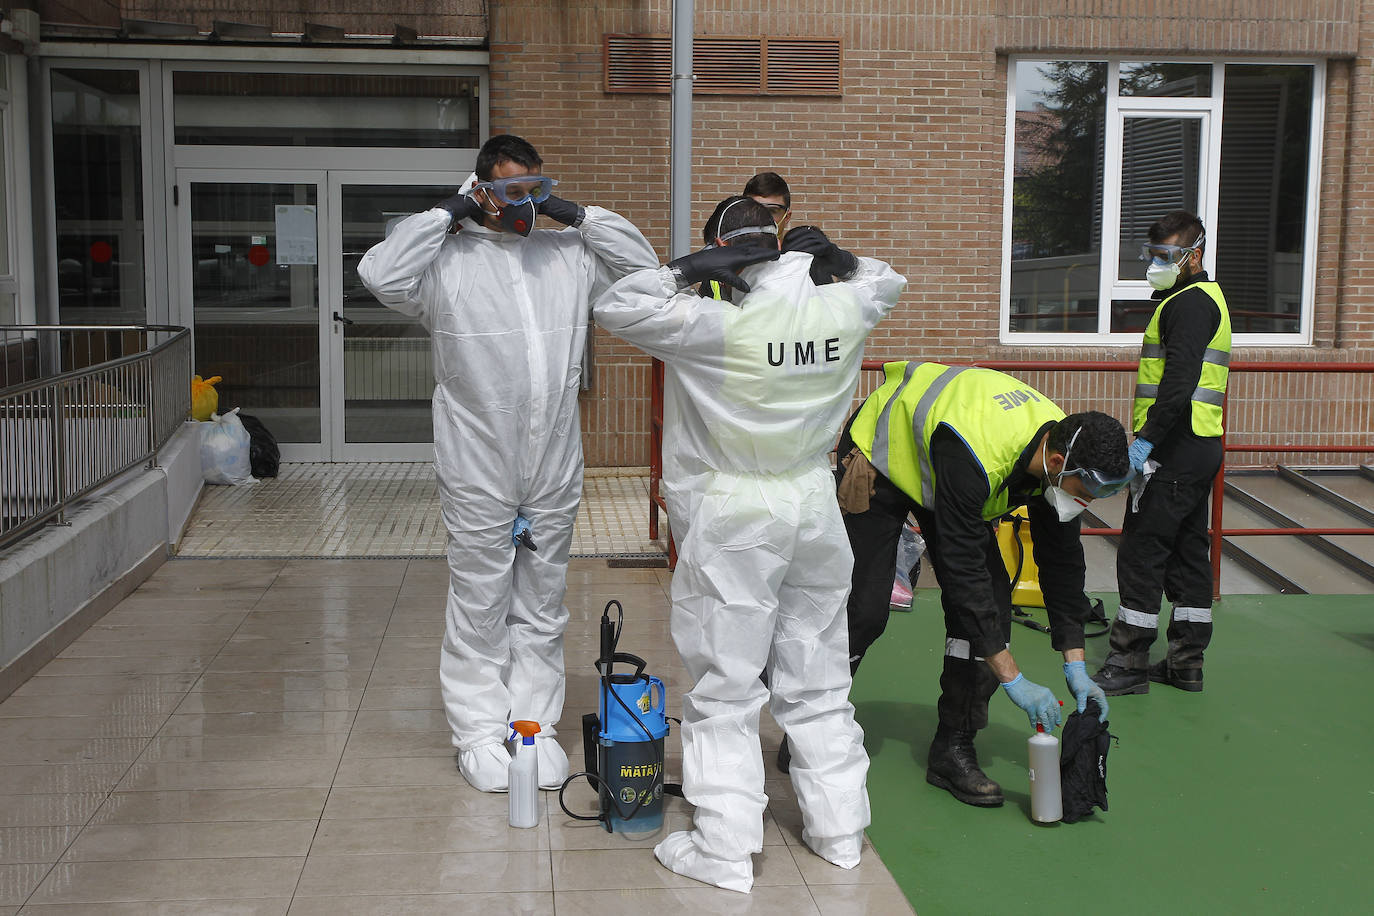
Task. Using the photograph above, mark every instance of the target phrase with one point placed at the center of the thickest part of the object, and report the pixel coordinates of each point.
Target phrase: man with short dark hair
(958, 447)
(756, 393)
(765, 188)
(769, 189)
(507, 307)
(1177, 416)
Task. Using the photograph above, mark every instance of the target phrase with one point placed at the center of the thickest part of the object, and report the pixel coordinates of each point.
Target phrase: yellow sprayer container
(1014, 539)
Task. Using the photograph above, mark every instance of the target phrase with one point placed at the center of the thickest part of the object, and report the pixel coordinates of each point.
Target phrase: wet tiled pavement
(264, 736)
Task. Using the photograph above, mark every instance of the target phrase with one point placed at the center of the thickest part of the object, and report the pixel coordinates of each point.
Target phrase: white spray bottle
(523, 776)
(1047, 802)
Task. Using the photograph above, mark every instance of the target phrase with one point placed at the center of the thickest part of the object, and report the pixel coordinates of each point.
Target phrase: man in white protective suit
(507, 310)
(756, 394)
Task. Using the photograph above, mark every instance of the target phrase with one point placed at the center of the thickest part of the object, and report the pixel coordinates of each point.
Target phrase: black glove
(829, 259)
(461, 206)
(564, 211)
(720, 264)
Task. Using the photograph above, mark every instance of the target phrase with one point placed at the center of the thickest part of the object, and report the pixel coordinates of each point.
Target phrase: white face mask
(1162, 276)
(1065, 503)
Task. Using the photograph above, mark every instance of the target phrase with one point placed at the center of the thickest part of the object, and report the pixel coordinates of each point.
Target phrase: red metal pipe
(1087, 365)
(655, 443)
(1280, 447)
(1253, 532)
(1218, 498)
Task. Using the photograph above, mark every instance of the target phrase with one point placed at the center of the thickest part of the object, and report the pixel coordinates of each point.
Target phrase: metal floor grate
(386, 510)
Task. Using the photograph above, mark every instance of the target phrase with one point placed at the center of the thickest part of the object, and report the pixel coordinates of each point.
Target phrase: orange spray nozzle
(525, 728)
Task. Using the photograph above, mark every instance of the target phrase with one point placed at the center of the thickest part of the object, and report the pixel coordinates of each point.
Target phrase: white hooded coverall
(756, 394)
(508, 320)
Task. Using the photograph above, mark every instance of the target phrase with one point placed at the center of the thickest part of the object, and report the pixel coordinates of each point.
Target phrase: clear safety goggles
(742, 230)
(748, 230)
(519, 189)
(1168, 254)
(1098, 484)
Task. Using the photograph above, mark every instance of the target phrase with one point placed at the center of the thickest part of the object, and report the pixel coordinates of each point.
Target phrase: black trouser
(873, 536)
(1165, 552)
(966, 683)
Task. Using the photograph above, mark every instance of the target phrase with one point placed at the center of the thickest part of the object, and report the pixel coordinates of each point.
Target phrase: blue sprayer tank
(634, 724)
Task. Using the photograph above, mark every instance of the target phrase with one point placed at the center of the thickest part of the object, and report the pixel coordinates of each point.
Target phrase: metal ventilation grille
(727, 65)
(803, 66)
(638, 63)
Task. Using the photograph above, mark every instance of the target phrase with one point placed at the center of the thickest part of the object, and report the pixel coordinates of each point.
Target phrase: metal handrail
(1217, 531)
(71, 421)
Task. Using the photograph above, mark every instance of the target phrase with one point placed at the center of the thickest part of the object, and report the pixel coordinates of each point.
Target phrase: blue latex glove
(521, 533)
(1084, 688)
(1038, 702)
(1138, 452)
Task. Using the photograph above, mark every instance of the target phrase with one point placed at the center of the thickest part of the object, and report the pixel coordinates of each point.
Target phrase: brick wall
(465, 18)
(925, 102)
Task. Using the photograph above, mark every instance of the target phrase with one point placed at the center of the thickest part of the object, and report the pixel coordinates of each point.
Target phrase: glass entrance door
(383, 378)
(251, 267)
(269, 282)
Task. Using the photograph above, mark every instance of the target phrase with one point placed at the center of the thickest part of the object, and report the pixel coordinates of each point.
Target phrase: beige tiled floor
(386, 509)
(265, 736)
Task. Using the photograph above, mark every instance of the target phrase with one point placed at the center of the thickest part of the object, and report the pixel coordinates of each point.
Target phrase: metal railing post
(1218, 499)
(151, 379)
(59, 450)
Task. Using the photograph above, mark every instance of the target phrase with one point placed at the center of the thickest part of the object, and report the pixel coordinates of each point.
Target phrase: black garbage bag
(1083, 745)
(263, 454)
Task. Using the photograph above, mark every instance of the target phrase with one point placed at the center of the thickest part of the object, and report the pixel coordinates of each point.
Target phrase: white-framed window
(1098, 149)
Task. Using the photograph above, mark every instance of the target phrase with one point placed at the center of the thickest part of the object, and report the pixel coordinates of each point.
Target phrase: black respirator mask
(516, 218)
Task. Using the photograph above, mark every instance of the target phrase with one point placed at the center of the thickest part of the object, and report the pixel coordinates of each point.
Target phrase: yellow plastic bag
(204, 397)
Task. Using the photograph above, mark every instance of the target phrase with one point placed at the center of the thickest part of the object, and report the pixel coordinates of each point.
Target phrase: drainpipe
(680, 152)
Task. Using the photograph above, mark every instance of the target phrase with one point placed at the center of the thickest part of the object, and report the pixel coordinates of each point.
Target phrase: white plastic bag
(224, 450)
(909, 551)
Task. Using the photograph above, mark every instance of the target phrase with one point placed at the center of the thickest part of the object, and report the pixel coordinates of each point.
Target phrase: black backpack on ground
(1083, 746)
(263, 454)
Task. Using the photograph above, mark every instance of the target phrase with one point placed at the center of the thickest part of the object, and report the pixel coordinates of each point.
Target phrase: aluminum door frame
(325, 263)
(333, 292)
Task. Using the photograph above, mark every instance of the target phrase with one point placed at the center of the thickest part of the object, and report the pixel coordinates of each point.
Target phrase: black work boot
(784, 756)
(1117, 681)
(953, 766)
(1189, 679)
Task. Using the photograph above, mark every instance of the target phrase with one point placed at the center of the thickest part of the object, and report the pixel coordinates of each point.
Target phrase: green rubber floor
(1254, 796)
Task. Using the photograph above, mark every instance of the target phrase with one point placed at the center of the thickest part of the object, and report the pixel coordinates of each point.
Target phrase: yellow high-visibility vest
(1210, 393)
(995, 414)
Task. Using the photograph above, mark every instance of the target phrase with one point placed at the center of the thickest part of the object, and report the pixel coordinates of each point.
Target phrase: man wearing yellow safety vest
(1179, 395)
(958, 447)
